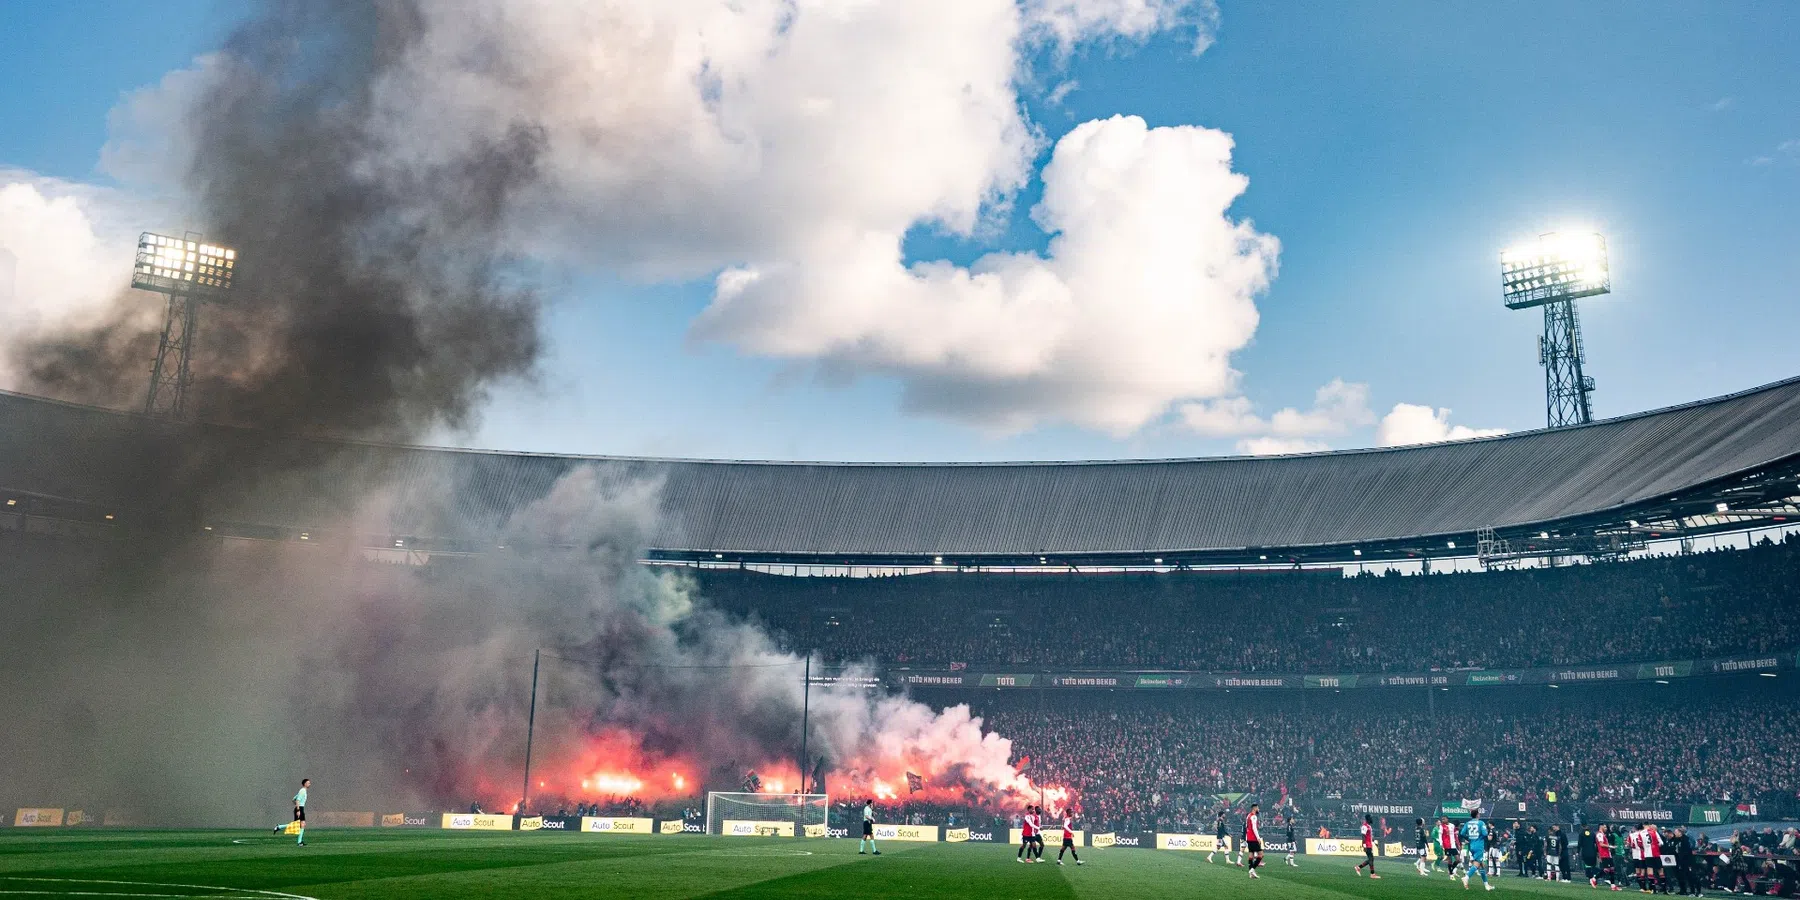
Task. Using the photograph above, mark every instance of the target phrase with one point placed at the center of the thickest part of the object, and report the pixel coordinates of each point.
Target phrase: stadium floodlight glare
(1560, 266)
(188, 271)
(171, 265)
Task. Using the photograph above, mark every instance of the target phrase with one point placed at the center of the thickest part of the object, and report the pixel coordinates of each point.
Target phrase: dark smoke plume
(375, 299)
(193, 680)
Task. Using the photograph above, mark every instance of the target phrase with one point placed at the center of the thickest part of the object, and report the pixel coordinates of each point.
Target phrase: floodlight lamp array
(177, 265)
(1559, 267)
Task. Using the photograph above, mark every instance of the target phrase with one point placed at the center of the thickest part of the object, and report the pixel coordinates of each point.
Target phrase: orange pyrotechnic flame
(617, 785)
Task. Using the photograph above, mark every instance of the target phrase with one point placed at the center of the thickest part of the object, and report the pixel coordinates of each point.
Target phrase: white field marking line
(771, 851)
(229, 892)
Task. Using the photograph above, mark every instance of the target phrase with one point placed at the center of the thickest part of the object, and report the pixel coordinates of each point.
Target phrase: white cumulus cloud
(1268, 445)
(1147, 289)
(1410, 423)
(1339, 407)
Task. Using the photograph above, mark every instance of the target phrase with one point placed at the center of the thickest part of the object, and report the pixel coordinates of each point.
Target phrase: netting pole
(805, 716)
(530, 726)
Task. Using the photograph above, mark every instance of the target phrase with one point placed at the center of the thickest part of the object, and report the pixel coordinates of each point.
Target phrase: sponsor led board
(1204, 843)
(477, 822)
(1333, 847)
(618, 825)
(37, 817)
(1052, 836)
(918, 833)
(753, 828)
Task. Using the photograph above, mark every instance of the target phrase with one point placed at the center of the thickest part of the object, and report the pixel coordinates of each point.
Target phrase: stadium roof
(1664, 469)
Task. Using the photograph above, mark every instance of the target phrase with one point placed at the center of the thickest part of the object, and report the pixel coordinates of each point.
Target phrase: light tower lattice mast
(189, 271)
(1553, 274)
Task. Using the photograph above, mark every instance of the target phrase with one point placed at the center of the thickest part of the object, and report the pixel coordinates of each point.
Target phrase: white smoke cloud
(1409, 423)
(70, 248)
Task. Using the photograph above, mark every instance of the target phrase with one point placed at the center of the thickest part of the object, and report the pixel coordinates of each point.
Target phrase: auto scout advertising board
(1205, 843)
(921, 833)
(750, 828)
(403, 820)
(618, 825)
(477, 822)
(36, 817)
(1333, 847)
(1052, 837)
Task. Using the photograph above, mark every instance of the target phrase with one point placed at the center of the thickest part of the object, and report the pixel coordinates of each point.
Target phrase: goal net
(766, 815)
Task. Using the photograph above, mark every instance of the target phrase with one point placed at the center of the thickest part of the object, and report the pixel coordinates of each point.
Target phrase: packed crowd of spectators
(1146, 762)
(1723, 602)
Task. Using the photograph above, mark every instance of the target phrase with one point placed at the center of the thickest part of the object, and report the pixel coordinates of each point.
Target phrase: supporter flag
(1024, 762)
(914, 782)
(958, 666)
(1549, 796)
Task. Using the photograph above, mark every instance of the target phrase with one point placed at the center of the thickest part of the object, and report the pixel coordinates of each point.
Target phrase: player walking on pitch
(1293, 840)
(1253, 852)
(1447, 844)
(1368, 842)
(1068, 844)
(1475, 835)
(1422, 843)
(868, 837)
(1219, 837)
(299, 824)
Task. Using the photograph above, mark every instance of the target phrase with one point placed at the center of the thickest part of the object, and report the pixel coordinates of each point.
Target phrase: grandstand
(1726, 464)
(1156, 634)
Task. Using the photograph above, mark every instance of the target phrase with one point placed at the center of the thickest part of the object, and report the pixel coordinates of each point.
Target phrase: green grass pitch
(339, 863)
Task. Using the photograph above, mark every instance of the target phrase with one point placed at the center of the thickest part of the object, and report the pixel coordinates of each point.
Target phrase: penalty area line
(220, 892)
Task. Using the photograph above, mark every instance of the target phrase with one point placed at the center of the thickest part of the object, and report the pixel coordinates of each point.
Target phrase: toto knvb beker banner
(750, 828)
(477, 822)
(617, 825)
(920, 833)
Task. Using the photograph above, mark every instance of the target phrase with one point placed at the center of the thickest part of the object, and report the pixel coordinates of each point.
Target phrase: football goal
(766, 815)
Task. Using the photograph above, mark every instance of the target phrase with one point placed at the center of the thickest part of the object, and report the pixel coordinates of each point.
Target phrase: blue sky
(1393, 149)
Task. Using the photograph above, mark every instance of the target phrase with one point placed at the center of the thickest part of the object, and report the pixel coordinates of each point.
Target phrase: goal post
(766, 815)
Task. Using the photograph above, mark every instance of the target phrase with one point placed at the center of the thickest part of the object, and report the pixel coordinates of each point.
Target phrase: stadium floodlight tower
(188, 271)
(1559, 269)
